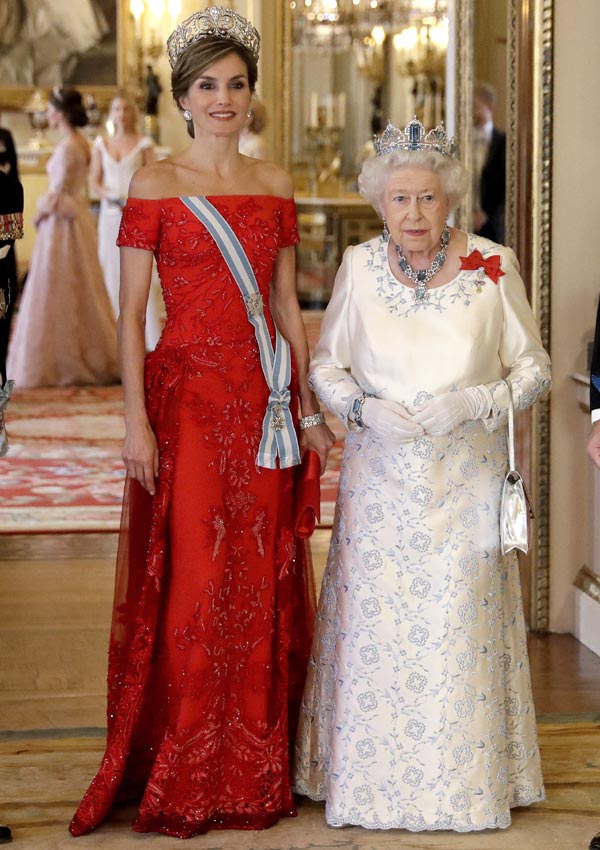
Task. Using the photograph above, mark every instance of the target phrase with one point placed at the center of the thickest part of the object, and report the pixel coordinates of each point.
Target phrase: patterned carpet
(64, 471)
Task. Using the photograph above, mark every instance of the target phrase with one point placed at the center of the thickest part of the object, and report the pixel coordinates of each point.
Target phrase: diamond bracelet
(312, 420)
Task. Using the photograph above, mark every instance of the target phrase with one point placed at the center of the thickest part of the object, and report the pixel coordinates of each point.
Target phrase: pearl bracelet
(312, 420)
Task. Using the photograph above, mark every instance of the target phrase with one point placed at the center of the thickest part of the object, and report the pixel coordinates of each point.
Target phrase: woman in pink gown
(65, 332)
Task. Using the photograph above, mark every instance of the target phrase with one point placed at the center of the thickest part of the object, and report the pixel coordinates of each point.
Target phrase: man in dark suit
(489, 155)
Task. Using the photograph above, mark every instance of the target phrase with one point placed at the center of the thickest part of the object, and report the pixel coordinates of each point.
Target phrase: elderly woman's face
(416, 207)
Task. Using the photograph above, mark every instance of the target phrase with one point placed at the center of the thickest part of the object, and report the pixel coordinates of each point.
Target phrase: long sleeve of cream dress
(418, 711)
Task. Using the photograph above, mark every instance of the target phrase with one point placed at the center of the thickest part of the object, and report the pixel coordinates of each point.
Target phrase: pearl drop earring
(187, 114)
(386, 232)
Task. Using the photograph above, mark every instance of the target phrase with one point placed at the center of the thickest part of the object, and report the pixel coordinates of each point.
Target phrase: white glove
(389, 420)
(444, 412)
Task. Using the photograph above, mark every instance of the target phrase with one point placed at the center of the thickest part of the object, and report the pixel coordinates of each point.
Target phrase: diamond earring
(249, 114)
(187, 114)
(386, 232)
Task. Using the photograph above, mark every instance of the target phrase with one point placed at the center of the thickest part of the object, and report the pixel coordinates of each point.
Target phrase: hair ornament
(214, 21)
(414, 138)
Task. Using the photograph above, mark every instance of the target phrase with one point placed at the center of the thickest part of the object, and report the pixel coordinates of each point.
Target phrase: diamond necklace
(421, 277)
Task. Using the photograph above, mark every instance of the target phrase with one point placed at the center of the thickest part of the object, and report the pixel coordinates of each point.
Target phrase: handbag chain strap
(511, 431)
(512, 462)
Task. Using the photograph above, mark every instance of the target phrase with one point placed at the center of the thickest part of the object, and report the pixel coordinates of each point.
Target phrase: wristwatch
(356, 410)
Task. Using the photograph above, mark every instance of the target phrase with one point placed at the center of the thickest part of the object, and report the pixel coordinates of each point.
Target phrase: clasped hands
(436, 417)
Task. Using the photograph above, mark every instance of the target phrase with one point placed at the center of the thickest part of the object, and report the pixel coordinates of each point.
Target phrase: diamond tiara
(214, 21)
(414, 138)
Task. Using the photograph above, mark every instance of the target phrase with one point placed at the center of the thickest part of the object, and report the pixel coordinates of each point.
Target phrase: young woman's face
(54, 116)
(122, 114)
(219, 98)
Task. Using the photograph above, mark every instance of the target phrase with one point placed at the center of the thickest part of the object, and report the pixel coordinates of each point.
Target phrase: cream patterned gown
(418, 711)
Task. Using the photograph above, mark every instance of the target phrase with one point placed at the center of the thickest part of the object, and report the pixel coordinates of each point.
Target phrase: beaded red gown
(213, 606)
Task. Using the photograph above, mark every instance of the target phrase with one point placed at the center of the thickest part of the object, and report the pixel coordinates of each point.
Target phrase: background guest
(593, 445)
(11, 228)
(8, 154)
(115, 159)
(65, 330)
(11, 202)
(252, 142)
(489, 153)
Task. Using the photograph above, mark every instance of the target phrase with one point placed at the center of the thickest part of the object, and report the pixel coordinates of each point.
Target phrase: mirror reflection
(384, 59)
(489, 120)
(355, 64)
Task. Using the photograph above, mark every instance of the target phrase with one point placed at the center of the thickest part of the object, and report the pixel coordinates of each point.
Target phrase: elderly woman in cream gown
(418, 711)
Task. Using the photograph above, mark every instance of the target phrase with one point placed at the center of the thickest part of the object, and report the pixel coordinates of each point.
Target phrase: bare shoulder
(275, 180)
(153, 181)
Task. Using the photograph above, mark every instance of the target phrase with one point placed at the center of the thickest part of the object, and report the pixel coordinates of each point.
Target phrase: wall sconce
(35, 109)
(148, 43)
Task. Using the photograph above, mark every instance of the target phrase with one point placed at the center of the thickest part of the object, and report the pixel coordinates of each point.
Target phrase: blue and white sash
(279, 440)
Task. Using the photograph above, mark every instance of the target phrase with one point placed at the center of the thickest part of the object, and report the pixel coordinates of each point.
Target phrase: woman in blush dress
(115, 159)
(65, 332)
(211, 627)
(418, 711)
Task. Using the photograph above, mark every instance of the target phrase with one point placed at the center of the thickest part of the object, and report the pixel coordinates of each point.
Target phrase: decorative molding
(512, 118)
(463, 106)
(589, 583)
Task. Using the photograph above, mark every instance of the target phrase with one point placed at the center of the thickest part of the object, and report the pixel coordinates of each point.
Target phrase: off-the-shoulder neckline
(180, 197)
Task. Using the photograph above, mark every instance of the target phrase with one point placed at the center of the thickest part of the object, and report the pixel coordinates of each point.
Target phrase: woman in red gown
(211, 624)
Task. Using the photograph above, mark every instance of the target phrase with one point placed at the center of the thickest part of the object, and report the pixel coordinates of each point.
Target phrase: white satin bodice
(376, 338)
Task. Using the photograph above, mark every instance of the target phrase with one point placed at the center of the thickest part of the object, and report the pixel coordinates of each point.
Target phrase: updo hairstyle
(69, 101)
(376, 171)
(198, 57)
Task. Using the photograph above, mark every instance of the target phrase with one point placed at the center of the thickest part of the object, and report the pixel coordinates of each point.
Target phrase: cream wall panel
(575, 289)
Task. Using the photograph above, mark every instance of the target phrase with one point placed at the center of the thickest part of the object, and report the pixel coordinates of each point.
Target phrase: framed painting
(46, 43)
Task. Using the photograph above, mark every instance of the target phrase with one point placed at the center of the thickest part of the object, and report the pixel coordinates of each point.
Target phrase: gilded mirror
(527, 51)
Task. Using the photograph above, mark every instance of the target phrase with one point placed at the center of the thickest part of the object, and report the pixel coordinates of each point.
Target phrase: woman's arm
(140, 451)
(288, 318)
(521, 351)
(97, 172)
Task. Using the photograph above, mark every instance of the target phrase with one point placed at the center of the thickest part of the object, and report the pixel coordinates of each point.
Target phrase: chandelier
(362, 24)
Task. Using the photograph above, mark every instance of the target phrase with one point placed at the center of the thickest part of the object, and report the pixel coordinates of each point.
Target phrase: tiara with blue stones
(414, 138)
(214, 21)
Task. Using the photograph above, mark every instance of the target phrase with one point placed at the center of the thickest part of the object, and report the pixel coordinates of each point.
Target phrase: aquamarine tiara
(214, 21)
(414, 138)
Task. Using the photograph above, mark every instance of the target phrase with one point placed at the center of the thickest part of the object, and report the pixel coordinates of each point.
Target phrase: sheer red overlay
(213, 599)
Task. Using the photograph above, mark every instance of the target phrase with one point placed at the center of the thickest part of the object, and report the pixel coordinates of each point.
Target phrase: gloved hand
(442, 413)
(389, 420)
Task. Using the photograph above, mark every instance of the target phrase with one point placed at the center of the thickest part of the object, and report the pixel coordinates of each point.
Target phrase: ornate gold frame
(536, 226)
(15, 97)
(529, 171)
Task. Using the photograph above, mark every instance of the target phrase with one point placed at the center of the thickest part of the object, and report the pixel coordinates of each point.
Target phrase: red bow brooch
(490, 267)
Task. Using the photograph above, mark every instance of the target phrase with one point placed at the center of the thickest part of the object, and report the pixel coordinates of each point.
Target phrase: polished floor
(54, 617)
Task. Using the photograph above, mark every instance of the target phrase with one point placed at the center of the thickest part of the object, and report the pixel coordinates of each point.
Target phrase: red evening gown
(212, 615)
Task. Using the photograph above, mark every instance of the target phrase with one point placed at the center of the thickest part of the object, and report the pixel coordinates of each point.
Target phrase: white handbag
(515, 508)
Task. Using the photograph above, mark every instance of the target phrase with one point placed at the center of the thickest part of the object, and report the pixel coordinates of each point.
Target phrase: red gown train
(212, 615)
